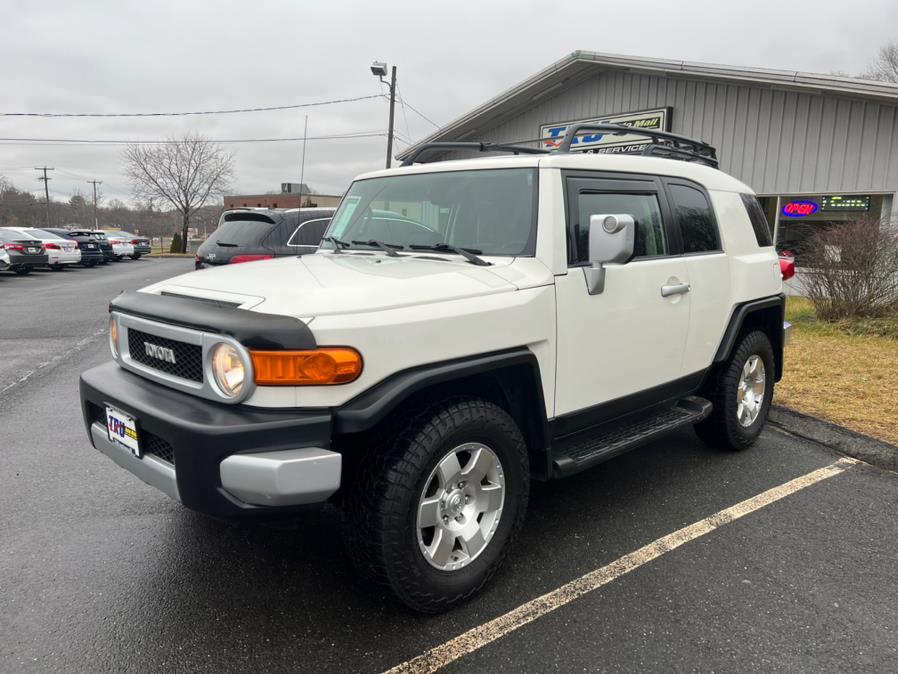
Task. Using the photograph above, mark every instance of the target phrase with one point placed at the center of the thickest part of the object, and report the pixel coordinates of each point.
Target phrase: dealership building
(818, 149)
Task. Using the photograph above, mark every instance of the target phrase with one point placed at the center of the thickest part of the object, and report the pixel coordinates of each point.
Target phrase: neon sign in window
(800, 209)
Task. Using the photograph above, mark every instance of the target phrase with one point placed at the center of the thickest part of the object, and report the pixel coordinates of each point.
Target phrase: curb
(856, 445)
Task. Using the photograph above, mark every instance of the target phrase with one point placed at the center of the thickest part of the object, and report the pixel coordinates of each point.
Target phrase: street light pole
(392, 108)
(379, 69)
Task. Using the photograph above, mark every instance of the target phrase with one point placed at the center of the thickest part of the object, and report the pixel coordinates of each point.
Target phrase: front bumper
(91, 256)
(218, 459)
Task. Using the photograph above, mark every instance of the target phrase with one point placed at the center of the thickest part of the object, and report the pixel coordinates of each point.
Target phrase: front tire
(23, 271)
(136, 256)
(436, 502)
(741, 391)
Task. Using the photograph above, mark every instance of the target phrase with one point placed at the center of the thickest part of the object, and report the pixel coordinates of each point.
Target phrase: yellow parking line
(482, 635)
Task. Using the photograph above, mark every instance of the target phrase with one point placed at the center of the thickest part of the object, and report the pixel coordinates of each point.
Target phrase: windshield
(489, 210)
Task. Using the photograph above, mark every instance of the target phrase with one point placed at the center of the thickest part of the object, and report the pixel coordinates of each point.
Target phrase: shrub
(175, 246)
(852, 270)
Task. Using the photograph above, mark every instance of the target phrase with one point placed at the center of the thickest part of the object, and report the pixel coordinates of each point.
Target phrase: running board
(588, 448)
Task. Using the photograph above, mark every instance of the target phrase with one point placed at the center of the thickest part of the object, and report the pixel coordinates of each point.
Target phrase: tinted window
(758, 219)
(309, 233)
(650, 236)
(694, 216)
(242, 232)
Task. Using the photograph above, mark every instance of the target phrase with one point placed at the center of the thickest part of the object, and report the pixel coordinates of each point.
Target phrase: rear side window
(758, 219)
(650, 236)
(696, 220)
(309, 233)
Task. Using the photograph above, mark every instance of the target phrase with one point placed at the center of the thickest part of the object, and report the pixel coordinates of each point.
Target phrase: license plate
(31, 250)
(91, 246)
(122, 430)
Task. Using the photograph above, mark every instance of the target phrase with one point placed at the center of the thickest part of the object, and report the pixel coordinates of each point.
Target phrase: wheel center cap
(454, 503)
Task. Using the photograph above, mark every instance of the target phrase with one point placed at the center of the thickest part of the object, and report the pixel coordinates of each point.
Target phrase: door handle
(675, 289)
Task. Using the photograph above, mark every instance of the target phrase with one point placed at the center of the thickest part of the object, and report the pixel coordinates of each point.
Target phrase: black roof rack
(479, 147)
(664, 144)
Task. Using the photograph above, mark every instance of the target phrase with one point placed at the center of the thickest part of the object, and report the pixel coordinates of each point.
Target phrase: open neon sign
(800, 209)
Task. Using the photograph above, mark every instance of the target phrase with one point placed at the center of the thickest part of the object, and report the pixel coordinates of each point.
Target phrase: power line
(419, 113)
(185, 114)
(99, 141)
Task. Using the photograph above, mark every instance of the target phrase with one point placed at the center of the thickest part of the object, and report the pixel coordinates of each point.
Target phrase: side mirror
(611, 241)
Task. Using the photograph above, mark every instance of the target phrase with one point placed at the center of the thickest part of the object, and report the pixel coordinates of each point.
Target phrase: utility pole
(302, 168)
(46, 180)
(95, 183)
(379, 70)
(392, 108)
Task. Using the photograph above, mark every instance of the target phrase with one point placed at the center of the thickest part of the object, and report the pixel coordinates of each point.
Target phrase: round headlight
(228, 370)
(113, 336)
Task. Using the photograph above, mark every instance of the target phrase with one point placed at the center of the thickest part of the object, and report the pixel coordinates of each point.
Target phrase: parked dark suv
(91, 253)
(244, 235)
(24, 253)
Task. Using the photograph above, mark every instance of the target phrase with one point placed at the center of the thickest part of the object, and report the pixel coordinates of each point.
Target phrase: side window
(758, 220)
(693, 213)
(651, 239)
(309, 233)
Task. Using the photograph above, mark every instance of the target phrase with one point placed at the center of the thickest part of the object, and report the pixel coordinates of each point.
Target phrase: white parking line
(55, 359)
(482, 635)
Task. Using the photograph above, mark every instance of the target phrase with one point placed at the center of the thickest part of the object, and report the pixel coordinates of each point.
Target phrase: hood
(325, 283)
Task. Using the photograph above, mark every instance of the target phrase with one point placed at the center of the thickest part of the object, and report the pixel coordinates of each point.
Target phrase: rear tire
(56, 267)
(136, 256)
(741, 390)
(436, 501)
(23, 271)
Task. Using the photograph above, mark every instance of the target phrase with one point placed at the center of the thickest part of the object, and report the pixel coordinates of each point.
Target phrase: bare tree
(186, 172)
(852, 270)
(885, 67)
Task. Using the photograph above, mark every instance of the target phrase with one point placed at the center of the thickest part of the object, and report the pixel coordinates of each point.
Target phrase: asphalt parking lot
(99, 572)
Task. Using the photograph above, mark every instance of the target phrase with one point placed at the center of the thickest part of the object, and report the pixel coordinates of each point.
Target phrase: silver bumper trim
(281, 478)
(151, 470)
(787, 332)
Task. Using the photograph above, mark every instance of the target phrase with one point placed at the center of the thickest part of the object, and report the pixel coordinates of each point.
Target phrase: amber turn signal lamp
(320, 367)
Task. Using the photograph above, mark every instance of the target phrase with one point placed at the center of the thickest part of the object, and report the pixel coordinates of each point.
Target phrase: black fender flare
(371, 406)
(738, 317)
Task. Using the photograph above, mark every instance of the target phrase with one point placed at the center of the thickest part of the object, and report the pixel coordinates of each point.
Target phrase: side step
(585, 449)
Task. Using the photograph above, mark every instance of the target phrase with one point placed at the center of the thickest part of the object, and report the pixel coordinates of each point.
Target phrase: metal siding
(777, 141)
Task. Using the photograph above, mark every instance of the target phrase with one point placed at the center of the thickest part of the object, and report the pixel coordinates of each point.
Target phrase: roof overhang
(581, 65)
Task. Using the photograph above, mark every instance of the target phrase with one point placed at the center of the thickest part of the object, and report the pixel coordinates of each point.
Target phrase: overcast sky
(121, 56)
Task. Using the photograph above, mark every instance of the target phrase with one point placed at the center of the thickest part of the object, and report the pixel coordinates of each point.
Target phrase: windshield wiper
(470, 254)
(336, 243)
(226, 245)
(388, 248)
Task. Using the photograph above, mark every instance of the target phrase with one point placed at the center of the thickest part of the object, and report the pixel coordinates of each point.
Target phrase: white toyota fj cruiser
(465, 327)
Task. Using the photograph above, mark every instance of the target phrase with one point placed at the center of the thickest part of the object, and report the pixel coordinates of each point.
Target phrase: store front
(796, 218)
